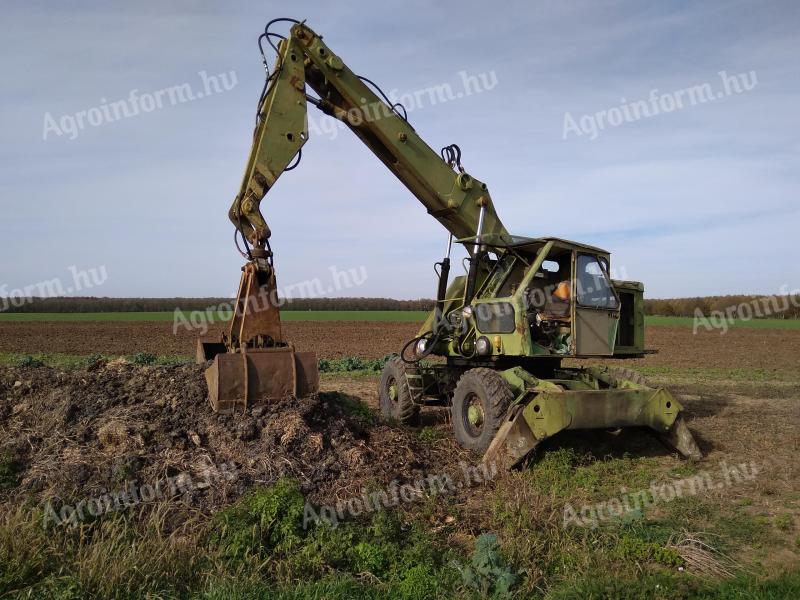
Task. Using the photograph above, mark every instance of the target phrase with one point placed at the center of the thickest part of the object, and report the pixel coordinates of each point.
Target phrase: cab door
(596, 307)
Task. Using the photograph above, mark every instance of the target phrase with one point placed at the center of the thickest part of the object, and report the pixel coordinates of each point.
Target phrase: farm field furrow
(359, 315)
(220, 316)
(677, 347)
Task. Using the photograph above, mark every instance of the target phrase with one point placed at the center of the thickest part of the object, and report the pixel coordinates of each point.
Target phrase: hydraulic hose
(433, 340)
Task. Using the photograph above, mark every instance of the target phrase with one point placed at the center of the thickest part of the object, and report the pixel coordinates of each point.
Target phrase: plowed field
(676, 347)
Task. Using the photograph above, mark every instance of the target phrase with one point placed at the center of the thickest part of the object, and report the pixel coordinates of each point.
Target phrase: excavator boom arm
(450, 195)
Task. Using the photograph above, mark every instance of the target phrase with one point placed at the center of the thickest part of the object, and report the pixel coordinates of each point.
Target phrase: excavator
(493, 348)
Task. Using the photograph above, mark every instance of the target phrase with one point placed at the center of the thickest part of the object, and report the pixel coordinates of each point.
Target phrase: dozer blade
(512, 442)
(679, 437)
(259, 376)
(540, 415)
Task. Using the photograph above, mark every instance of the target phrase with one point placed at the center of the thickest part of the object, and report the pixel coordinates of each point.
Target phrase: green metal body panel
(630, 336)
(547, 413)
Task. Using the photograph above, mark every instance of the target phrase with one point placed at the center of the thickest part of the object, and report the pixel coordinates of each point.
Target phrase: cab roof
(519, 242)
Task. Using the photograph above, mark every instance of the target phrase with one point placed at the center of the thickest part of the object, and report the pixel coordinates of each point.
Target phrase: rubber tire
(495, 397)
(403, 409)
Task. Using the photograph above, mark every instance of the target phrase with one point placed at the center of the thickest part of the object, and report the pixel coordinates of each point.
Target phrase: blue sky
(700, 200)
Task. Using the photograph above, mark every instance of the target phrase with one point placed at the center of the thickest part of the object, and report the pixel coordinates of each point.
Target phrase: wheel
(394, 396)
(479, 407)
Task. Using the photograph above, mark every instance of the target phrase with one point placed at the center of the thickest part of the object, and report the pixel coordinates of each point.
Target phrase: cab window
(593, 286)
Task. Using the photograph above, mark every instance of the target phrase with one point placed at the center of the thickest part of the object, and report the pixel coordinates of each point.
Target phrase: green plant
(144, 358)
(487, 573)
(666, 586)
(93, 359)
(30, 362)
(354, 406)
(330, 587)
(255, 548)
(349, 364)
(632, 548)
(783, 522)
(368, 557)
(120, 556)
(430, 434)
(739, 527)
(419, 582)
(9, 468)
(265, 521)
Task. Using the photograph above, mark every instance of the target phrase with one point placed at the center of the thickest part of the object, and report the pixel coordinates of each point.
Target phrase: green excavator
(494, 346)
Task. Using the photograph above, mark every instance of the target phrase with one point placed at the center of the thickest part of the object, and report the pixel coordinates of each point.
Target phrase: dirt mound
(75, 435)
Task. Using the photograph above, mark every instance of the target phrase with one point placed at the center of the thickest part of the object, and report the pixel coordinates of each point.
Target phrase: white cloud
(679, 198)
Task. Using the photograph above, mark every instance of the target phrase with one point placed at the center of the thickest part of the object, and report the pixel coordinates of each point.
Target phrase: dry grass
(703, 559)
(117, 556)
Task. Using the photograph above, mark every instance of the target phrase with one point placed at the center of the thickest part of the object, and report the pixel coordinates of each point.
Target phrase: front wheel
(479, 406)
(394, 396)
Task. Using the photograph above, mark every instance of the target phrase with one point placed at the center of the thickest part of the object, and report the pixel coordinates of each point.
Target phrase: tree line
(74, 304)
(783, 306)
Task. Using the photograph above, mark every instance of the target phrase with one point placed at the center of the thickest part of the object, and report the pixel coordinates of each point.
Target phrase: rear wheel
(479, 407)
(393, 394)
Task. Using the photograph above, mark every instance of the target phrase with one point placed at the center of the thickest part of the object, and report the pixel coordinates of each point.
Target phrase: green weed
(663, 586)
(143, 358)
(430, 434)
(9, 469)
(353, 406)
(783, 522)
(487, 573)
(30, 362)
(350, 364)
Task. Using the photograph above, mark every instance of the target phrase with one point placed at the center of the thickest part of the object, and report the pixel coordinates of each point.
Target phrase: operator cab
(558, 297)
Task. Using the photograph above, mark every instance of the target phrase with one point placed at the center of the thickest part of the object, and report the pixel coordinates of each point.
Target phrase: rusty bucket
(258, 376)
(253, 364)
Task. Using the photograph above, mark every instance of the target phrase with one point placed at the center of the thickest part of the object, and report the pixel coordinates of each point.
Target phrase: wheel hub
(475, 415)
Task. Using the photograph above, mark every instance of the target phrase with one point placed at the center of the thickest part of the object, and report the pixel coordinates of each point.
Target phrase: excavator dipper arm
(281, 130)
